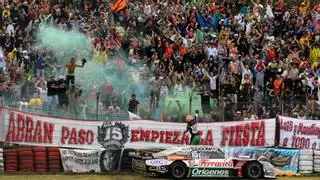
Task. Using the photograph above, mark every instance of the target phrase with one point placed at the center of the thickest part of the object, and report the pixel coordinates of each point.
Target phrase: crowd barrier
(291, 145)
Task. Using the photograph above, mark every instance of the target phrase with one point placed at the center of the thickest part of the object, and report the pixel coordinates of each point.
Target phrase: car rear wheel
(253, 170)
(178, 170)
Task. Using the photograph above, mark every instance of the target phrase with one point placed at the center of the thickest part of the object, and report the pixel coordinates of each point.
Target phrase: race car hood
(167, 152)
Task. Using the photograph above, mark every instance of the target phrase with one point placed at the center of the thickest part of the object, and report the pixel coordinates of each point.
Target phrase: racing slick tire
(305, 163)
(306, 172)
(305, 168)
(305, 158)
(178, 170)
(253, 170)
(316, 153)
(316, 161)
(316, 168)
(307, 152)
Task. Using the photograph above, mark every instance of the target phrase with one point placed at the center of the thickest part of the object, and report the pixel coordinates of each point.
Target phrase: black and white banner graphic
(81, 161)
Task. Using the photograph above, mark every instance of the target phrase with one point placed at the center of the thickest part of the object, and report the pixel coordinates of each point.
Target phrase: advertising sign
(30, 129)
(299, 133)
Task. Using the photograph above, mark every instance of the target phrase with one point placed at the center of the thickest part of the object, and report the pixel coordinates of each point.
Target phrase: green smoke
(66, 45)
(70, 43)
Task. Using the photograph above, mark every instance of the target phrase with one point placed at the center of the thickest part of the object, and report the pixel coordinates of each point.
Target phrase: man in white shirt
(113, 108)
(213, 85)
(10, 29)
(156, 83)
(212, 51)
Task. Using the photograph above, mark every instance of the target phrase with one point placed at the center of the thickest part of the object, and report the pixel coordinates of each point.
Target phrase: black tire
(178, 170)
(253, 170)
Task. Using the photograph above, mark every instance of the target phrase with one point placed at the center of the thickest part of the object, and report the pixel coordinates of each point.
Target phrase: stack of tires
(26, 162)
(40, 159)
(306, 162)
(54, 160)
(10, 157)
(126, 163)
(1, 161)
(316, 161)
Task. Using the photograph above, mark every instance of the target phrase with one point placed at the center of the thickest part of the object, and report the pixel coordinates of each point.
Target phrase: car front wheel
(178, 170)
(253, 170)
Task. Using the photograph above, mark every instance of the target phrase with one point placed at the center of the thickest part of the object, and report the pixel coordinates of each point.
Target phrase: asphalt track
(115, 177)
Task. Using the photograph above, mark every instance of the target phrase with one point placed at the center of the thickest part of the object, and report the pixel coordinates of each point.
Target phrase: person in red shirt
(168, 51)
(278, 86)
(133, 104)
(271, 54)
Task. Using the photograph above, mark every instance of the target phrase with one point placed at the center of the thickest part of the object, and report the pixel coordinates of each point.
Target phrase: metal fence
(175, 108)
(122, 115)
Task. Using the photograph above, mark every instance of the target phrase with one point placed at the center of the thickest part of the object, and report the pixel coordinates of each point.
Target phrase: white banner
(81, 161)
(299, 133)
(29, 129)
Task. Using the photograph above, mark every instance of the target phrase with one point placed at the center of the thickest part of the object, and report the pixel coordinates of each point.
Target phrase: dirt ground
(104, 177)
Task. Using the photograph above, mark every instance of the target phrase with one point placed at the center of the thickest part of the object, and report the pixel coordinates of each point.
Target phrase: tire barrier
(10, 158)
(306, 161)
(26, 160)
(40, 159)
(43, 160)
(316, 161)
(54, 160)
(126, 160)
(37, 159)
(1, 161)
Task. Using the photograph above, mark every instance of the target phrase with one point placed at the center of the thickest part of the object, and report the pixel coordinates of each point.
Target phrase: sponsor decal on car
(208, 172)
(158, 168)
(158, 162)
(204, 148)
(214, 163)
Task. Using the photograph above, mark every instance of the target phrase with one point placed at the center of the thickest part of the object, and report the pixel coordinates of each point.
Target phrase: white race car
(201, 161)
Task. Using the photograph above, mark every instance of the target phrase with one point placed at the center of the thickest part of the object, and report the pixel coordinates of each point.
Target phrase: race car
(201, 162)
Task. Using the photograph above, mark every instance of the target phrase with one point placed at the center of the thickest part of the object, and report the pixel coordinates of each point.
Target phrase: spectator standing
(113, 108)
(156, 83)
(133, 104)
(71, 66)
(35, 102)
(62, 93)
(52, 93)
(205, 101)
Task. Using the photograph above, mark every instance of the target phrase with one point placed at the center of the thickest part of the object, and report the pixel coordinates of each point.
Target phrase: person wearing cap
(62, 92)
(192, 129)
(133, 104)
(238, 116)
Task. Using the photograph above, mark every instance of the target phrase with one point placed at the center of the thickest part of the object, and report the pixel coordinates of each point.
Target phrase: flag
(118, 5)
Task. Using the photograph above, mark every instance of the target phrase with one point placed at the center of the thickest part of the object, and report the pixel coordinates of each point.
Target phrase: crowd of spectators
(256, 58)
